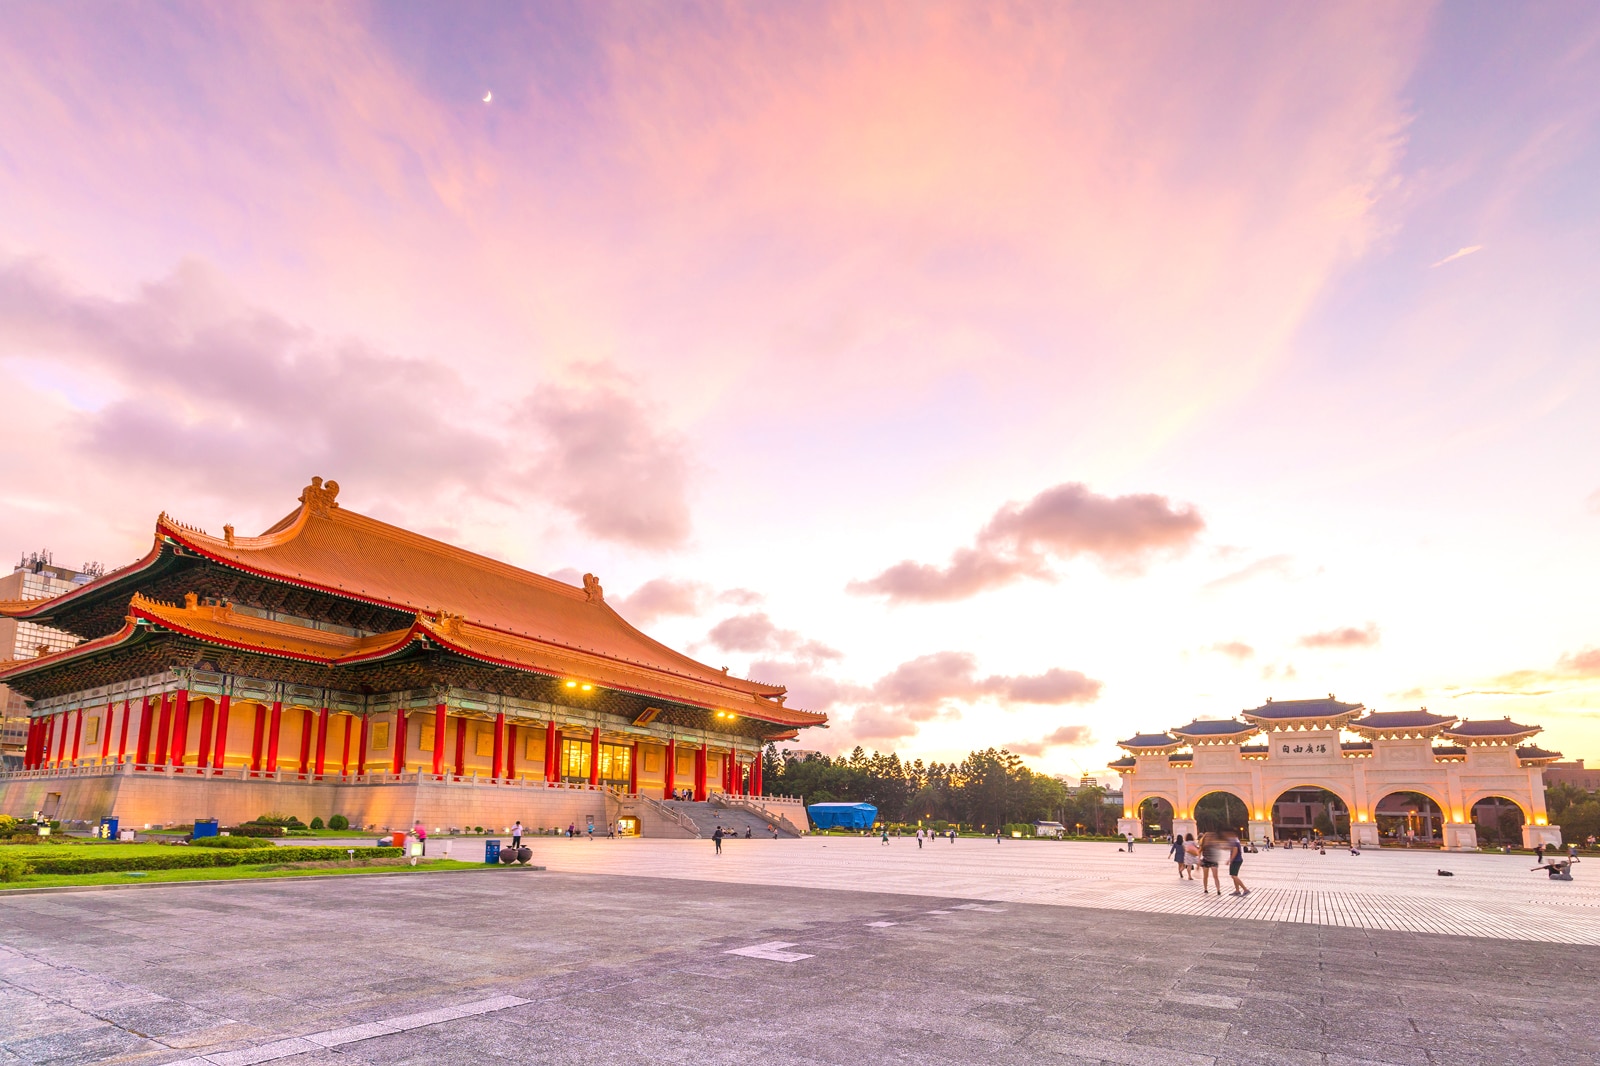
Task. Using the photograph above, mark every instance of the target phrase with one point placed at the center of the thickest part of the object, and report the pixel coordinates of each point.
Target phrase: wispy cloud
(1237, 650)
(1460, 253)
(1074, 736)
(1345, 637)
(1280, 566)
(1021, 540)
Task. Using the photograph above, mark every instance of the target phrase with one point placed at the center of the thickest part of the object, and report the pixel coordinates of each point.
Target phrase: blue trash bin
(204, 827)
(491, 852)
(109, 827)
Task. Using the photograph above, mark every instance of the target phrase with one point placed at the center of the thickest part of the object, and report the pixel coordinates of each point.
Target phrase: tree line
(986, 790)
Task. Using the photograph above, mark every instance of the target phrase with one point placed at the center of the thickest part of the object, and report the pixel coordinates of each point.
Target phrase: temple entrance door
(1309, 813)
(1407, 818)
(615, 762)
(1499, 820)
(574, 761)
(1221, 812)
(1156, 814)
(627, 826)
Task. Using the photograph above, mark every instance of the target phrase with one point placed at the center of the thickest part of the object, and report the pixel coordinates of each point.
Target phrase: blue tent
(843, 815)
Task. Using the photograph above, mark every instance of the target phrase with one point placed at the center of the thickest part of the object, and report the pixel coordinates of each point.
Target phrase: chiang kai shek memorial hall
(340, 665)
(1442, 764)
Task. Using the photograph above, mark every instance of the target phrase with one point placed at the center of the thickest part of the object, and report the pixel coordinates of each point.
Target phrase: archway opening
(1306, 814)
(1222, 812)
(1156, 815)
(1499, 820)
(1408, 818)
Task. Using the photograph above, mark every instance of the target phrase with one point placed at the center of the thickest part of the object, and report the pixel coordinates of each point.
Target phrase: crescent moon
(488, 96)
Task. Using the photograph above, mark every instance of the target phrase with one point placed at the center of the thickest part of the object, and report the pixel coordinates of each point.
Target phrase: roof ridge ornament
(592, 590)
(321, 499)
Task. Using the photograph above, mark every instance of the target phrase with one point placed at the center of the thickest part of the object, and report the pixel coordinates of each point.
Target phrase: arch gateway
(1300, 744)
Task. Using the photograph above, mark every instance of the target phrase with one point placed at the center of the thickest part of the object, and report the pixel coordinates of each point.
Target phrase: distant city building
(1573, 772)
(34, 578)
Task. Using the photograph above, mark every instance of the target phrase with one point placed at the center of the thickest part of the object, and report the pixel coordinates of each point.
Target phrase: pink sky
(1027, 375)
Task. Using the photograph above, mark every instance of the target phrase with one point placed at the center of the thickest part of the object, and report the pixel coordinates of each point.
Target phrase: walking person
(884, 830)
(919, 838)
(1235, 862)
(421, 834)
(1538, 852)
(716, 838)
(516, 833)
(1178, 854)
(1210, 850)
(1191, 855)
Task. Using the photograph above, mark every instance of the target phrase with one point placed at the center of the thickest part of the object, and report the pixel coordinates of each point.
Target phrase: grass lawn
(29, 852)
(238, 873)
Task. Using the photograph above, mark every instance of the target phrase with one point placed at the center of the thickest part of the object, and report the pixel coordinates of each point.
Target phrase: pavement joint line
(288, 1047)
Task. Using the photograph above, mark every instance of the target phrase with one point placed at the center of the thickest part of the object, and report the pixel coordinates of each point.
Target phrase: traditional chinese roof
(1215, 731)
(1531, 755)
(1127, 762)
(334, 552)
(1149, 742)
(1302, 714)
(1490, 731)
(1355, 745)
(1449, 751)
(218, 625)
(1419, 723)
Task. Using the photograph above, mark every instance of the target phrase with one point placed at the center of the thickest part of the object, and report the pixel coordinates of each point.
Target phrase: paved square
(565, 967)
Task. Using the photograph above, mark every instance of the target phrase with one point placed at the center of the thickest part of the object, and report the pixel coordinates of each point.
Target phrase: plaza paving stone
(941, 963)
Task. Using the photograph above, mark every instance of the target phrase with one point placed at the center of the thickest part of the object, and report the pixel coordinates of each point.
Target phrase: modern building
(1280, 768)
(340, 665)
(1573, 772)
(36, 577)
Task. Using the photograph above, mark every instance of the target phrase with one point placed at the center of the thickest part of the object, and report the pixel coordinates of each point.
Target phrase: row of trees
(987, 789)
(1577, 812)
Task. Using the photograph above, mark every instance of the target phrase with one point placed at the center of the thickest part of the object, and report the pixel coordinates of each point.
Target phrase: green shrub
(316, 823)
(338, 821)
(257, 829)
(14, 869)
(195, 858)
(239, 843)
(288, 821)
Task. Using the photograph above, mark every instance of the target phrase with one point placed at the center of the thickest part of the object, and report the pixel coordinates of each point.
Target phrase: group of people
(1211, 852)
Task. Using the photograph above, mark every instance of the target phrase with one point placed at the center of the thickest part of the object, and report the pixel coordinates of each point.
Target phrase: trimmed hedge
(190, 858)
(231, 843)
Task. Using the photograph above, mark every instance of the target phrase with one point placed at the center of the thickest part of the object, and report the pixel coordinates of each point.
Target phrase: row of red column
(167, 726)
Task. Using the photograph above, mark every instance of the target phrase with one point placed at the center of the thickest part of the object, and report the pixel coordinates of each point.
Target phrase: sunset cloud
(1281, 566)
(1121, 532)
(929, 680)
(1347, 637)
(755, 632)
(1236, 650)
(1073, 736)
(1460, 253)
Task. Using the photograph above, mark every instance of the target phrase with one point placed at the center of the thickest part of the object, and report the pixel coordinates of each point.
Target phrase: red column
(726, 761)
(399, 742)
(105, 731)
(594, 758)
(461, 746)
(180, 726)
(439, 723)
(671, 781)
(77, 733)
(511, 751)
(163, 729)
(27, 747)
(219, 754)
(361, 746)
(122, 737)
(497, 761)
(307, 728)
(202, 755)
(700, 773)
(272, 736)
(757, 772)
(633, 770)
(258, 738)
(552, 752)
(344, 762)
(322, 742)
(141, 754)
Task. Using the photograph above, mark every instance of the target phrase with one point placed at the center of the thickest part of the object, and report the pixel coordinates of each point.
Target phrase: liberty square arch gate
(1299, 745)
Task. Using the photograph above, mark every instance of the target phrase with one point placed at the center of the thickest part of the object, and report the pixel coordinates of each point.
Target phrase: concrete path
(1488, 895)
(525, 967)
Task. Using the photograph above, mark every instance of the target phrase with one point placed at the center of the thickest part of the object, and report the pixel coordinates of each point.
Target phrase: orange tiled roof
(220, 625)
(325, 546)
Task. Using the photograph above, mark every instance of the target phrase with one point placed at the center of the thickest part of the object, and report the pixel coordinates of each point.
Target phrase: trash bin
(108, 828)
(204, 827)
(397, 840)
(491, 852)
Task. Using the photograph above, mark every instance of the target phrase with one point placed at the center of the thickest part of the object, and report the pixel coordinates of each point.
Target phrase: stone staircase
(707, 816)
